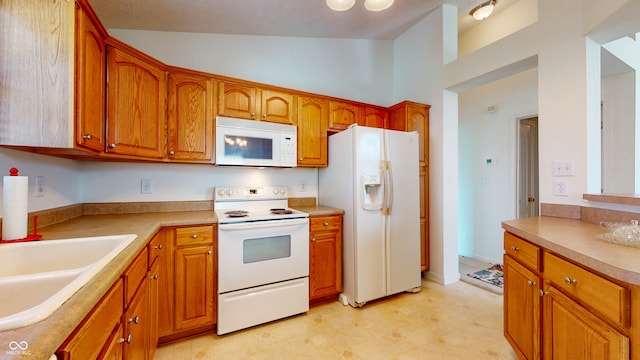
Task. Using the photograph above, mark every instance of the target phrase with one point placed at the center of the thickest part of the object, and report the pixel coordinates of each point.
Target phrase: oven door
(263, 252)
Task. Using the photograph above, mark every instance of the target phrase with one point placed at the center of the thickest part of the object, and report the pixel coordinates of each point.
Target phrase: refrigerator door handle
(388, 188)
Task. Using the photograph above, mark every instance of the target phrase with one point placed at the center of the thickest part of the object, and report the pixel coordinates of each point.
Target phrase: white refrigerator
(373, 176)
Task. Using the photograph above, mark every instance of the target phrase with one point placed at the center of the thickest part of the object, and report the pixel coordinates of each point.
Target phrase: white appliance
(263, 257)
(373, 176)
(255, 143)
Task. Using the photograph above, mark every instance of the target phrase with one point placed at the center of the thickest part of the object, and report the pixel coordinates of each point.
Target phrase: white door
(403, 221)
(370, 278)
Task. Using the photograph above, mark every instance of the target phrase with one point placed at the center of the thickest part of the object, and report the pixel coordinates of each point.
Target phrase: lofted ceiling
(300, 18)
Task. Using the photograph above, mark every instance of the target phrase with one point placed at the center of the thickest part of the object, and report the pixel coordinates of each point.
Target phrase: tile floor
(457, 321)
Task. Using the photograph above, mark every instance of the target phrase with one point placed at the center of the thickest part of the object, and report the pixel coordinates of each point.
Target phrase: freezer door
(403, 222)
(369, 244)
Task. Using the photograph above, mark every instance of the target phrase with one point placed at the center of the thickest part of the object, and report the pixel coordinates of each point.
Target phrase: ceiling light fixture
(371, 5)
(483, 10)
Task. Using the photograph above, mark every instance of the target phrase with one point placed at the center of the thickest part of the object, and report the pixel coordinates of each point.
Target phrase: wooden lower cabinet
(555, 308)
(188, 292)
(325, 258)
(137, 325)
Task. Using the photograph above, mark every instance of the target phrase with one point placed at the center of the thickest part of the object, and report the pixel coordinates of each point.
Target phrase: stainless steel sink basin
(36, 278)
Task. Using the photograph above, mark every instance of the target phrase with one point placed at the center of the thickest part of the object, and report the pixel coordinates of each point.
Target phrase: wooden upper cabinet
(190, 117)
(91, 57)
(237, 100)
(342, 115)
(313, 117)
(136, 103)
(374, 117)
(410, 116)
(277, 107)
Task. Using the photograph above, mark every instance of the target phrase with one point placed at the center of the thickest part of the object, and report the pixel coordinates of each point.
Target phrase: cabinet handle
(514, 248)
(313, 239)
(542, 292)
(121, 340)
(195, 236)
(134, 320)
(326, 224)
(530, 283)
(570, 281)
(253, 113)
(172, 152)
(113, 146)
(87, 137)
(264, 115)
(209, 252)
(159, 247)
(129, 338)
(154, 277)
(301, 158)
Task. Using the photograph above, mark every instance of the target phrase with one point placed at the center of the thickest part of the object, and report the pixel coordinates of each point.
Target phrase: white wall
(488, 193)
(345, 68)
(62, 183)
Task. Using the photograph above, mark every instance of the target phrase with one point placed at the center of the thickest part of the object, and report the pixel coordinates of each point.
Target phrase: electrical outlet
(560, 188)
(39, 186)
(146, 186)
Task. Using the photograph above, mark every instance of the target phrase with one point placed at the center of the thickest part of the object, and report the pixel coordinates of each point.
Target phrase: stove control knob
(220, 192)
(229, 192)
(283, 191)
(275, 190)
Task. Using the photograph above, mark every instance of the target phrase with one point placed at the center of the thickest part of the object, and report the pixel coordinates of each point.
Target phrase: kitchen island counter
(44, 338)
(576, 240)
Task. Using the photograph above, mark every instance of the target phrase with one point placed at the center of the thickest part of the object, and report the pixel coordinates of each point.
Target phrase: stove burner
(236, 213)
(280, 211)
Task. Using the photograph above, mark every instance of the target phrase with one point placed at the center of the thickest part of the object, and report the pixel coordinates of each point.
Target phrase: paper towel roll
(15, 191)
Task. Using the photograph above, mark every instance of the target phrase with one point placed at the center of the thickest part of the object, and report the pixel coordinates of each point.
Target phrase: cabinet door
(91, 58)
(277, 107)
(521, 309)
(342, 115)
(190, 117)
(136, 92)
(418, 120)
(154, 290)
(572, 332)
(325, 257)
(114, 350)
(374, 117)
(194, 287)
(237, 100)
(313, 117)
(165, 282)
(136, 324)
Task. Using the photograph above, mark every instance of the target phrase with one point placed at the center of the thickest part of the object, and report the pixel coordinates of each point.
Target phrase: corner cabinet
(411, 116)
(555, 308)
(343, 114)
(325, 258)
(190, 291)
(136, 103)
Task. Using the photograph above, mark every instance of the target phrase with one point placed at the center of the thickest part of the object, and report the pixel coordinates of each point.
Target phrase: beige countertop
(576, 240)
(319, 210)
(44, 338)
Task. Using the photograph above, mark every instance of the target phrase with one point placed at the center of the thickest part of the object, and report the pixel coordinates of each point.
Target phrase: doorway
(528, 199)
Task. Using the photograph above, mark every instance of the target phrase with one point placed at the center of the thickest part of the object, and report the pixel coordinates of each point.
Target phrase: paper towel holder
(30, 237)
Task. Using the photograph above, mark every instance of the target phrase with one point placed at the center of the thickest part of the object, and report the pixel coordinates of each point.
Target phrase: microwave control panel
(288, 147)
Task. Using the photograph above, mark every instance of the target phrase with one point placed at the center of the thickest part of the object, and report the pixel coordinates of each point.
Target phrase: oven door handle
(263, 224)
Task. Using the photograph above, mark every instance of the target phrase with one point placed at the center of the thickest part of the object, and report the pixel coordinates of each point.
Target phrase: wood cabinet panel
(374, 117)
(237, 100)
(572, 332)
(194, 235)
(325, 257)
(190, 117)
(135, 275)
(136, 325)
(527, 253)
(312, 121)
(522, 305)
(277, 106)
(154, 298)
(91, 58)
(136, 104)
(90, 337)
(342, 115)
(194, 284)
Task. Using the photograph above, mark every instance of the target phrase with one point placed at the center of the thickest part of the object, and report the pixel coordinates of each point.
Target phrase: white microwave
(255, 143)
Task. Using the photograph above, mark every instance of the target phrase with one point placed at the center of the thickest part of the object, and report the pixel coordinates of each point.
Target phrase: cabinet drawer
(598, 293)
(133, 276)
(325, 223)
(96, 329)
(525, 252)
(194, 235)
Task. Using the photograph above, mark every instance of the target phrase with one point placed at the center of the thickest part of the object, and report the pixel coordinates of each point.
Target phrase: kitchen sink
(36, 278)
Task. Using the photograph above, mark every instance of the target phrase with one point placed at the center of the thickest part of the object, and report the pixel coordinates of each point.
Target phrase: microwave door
(247, 147)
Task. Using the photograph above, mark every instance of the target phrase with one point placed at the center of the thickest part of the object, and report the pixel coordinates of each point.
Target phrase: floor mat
(492, 275)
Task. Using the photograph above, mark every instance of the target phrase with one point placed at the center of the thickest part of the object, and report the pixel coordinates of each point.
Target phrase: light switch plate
(563, 168)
